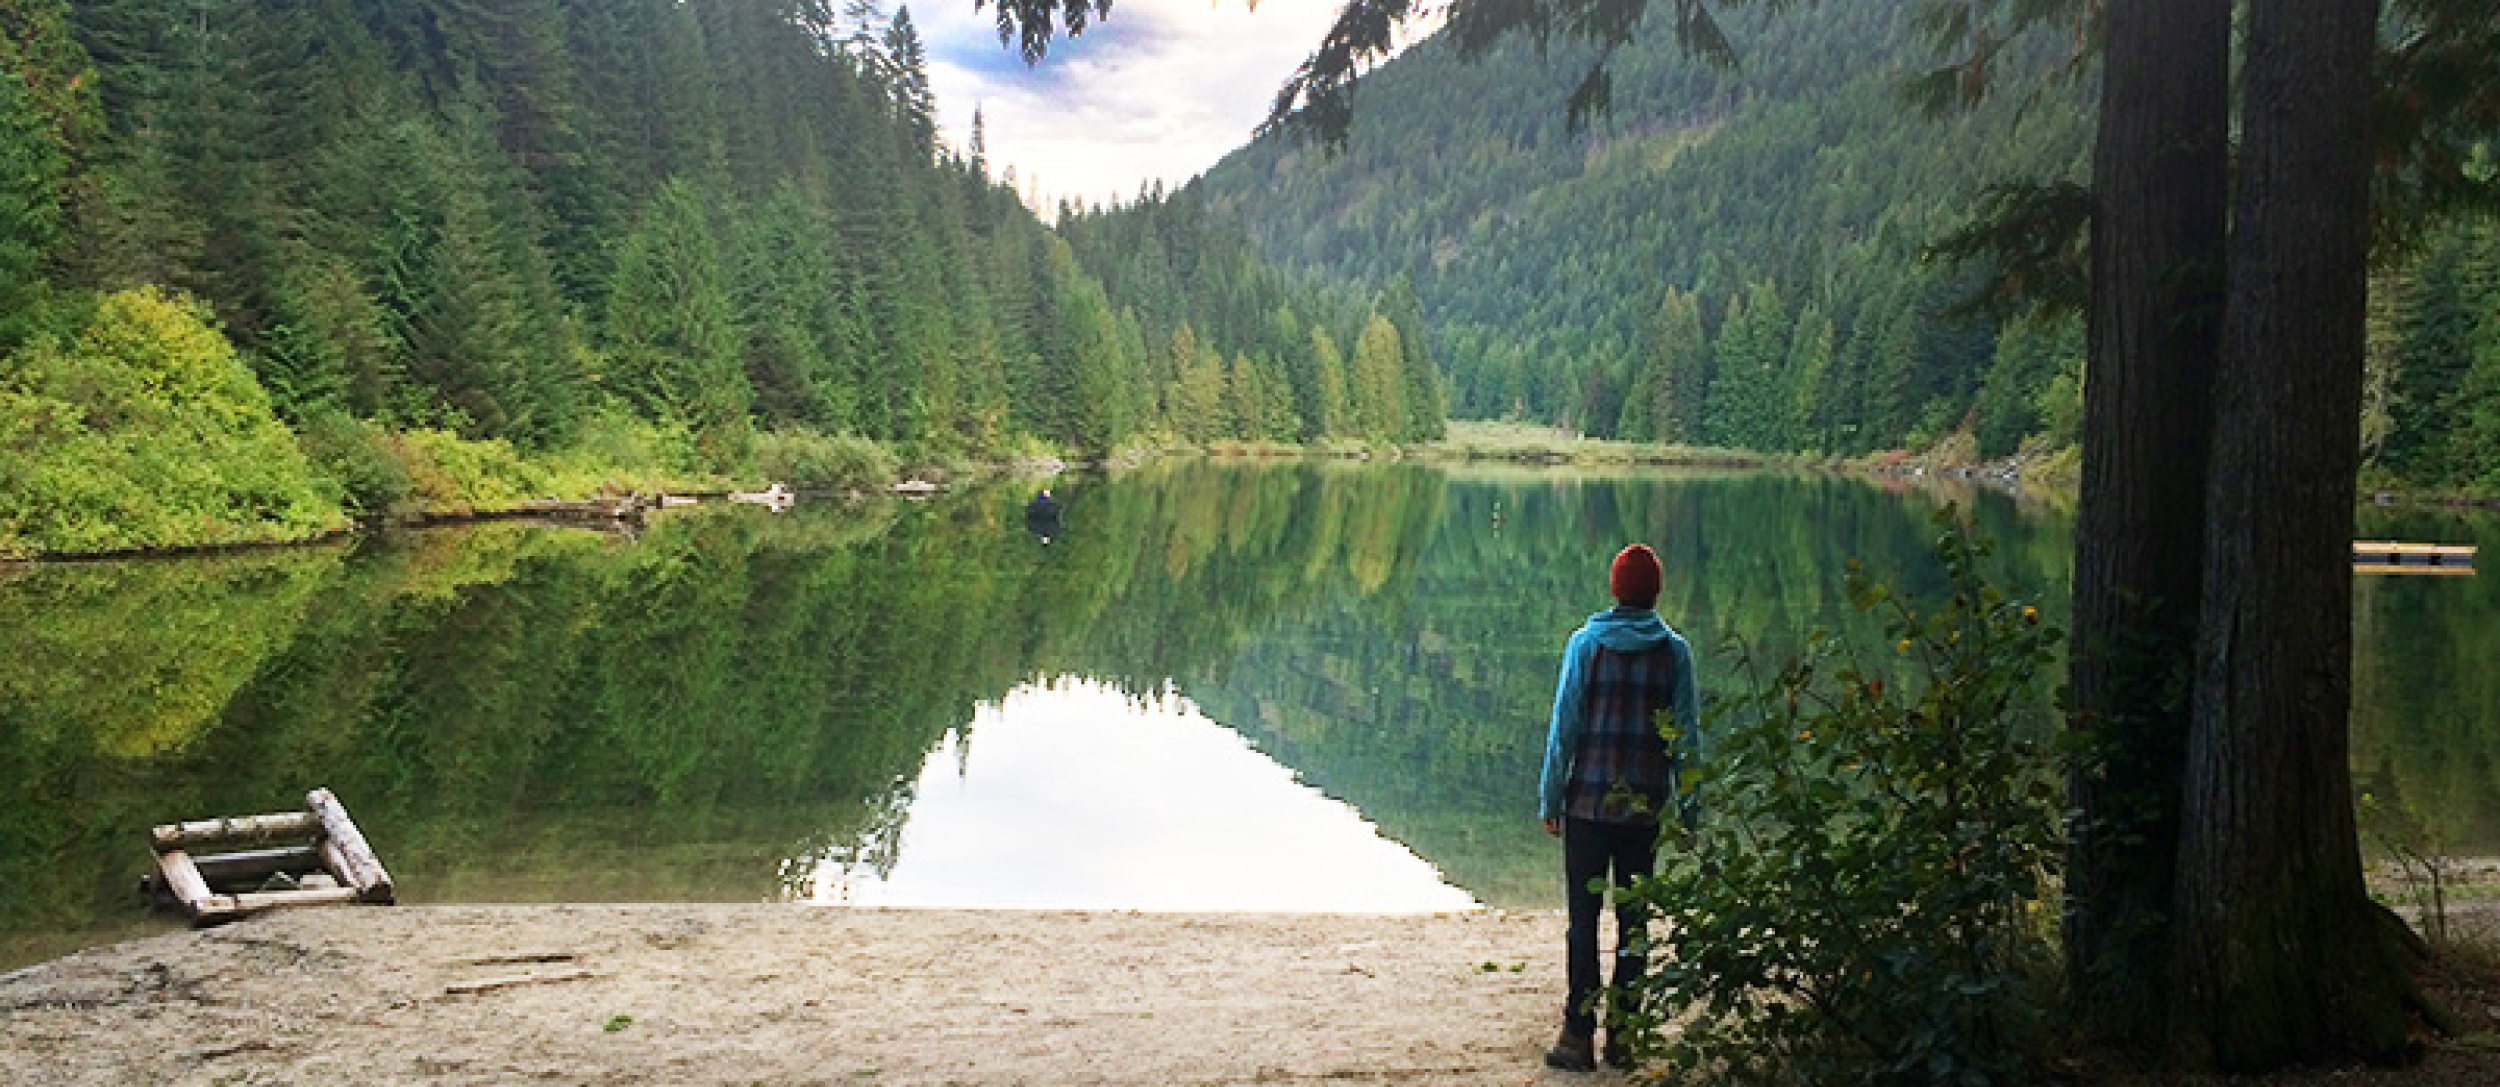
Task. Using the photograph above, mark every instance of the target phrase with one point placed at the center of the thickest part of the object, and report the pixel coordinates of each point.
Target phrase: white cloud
(1160, 89)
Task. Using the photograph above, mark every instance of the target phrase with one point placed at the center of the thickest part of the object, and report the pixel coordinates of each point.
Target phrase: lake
(1204, 687)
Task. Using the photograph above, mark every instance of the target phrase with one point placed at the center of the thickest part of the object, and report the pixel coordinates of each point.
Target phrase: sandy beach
(801, 995)
(771, 994)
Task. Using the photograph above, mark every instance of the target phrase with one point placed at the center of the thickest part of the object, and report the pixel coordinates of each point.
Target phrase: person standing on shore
(1626, 719)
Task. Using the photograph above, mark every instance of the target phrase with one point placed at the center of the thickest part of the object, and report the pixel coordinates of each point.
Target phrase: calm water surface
(1270, 688)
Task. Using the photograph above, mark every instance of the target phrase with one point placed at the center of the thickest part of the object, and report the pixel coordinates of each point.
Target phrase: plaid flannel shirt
(1621, 771)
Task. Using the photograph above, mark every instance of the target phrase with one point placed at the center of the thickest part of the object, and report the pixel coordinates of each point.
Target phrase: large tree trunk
(2277, 956)
(2161, 184)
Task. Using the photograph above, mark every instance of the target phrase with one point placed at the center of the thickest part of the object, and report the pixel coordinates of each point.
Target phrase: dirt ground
(795, 995)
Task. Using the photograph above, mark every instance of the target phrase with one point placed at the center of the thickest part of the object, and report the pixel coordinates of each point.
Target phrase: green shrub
(450, 474)
(145, 430)
(616, 452)
(801, 457)
(434, 471)
(620, 441)
(362, 458)
(1869, 896)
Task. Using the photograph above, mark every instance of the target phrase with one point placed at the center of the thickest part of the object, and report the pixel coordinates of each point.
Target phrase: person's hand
(1553, 827)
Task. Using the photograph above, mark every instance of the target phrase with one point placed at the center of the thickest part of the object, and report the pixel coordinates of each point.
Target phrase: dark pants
(1593, 851)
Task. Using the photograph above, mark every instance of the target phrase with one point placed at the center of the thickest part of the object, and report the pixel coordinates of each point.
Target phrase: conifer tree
(48, 117)
(1425, 392)
(979, 148)
(1681, 353)
(1333, 417)
(1889, 347)
(2029, 356)
(1106, 395)
(55, 76)
(2475, 446)
(1751, 397)
(861, 31)
(792, 313)
(31, 171)
(2456, 283)
(907, 66)
(1377, 388)
(1811, 374)
(1195, 406)
(672, 336)
(1244, 399)
(482, 216)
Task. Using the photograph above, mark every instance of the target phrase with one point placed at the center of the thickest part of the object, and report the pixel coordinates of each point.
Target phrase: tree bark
(2161, 185)
(2276, 956)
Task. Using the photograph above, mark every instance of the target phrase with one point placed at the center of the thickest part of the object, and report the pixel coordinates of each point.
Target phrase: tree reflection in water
(519, 714)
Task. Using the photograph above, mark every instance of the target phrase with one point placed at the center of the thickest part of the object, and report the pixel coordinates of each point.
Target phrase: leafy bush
(1869, 896)
(801, 457)
(363, 458)
(451, 474)
(145, 430)
(438, 472)
(615, 450)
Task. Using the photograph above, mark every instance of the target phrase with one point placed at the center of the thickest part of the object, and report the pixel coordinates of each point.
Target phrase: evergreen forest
(265, 266)
(1745, 256)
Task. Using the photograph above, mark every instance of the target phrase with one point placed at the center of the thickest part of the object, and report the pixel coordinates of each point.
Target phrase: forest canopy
(690, 240)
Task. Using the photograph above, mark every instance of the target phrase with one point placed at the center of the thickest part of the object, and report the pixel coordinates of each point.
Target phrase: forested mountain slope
(1775, 210)
(711, 228)
(1733, 256)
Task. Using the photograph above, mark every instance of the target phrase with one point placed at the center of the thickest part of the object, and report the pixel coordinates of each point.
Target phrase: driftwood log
(344, 852)
(182, 877)
(241, 828)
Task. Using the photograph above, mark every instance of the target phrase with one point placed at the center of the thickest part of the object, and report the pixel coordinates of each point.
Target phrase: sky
(1160, 89)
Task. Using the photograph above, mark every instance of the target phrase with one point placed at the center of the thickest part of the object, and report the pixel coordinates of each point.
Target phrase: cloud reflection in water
(1076, 796)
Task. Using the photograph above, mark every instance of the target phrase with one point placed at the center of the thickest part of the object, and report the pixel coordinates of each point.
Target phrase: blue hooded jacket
(1625, 630)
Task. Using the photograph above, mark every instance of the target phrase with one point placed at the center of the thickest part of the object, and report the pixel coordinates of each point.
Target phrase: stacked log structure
(313, 857)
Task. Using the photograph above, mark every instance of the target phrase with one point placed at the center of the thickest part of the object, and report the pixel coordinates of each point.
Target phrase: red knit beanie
(1635, 577)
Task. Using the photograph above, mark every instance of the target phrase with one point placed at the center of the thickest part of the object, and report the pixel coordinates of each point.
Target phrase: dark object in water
(1041, 517)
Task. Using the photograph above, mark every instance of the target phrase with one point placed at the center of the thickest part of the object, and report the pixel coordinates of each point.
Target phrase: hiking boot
(1573, 1052)
(1618, 1053)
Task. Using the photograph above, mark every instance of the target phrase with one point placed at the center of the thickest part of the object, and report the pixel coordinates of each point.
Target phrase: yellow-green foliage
(132, 660)
(146, 430)
(451, 474)
(1492, 440)
(435, 472)
(793, 456)
(2062, 465)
